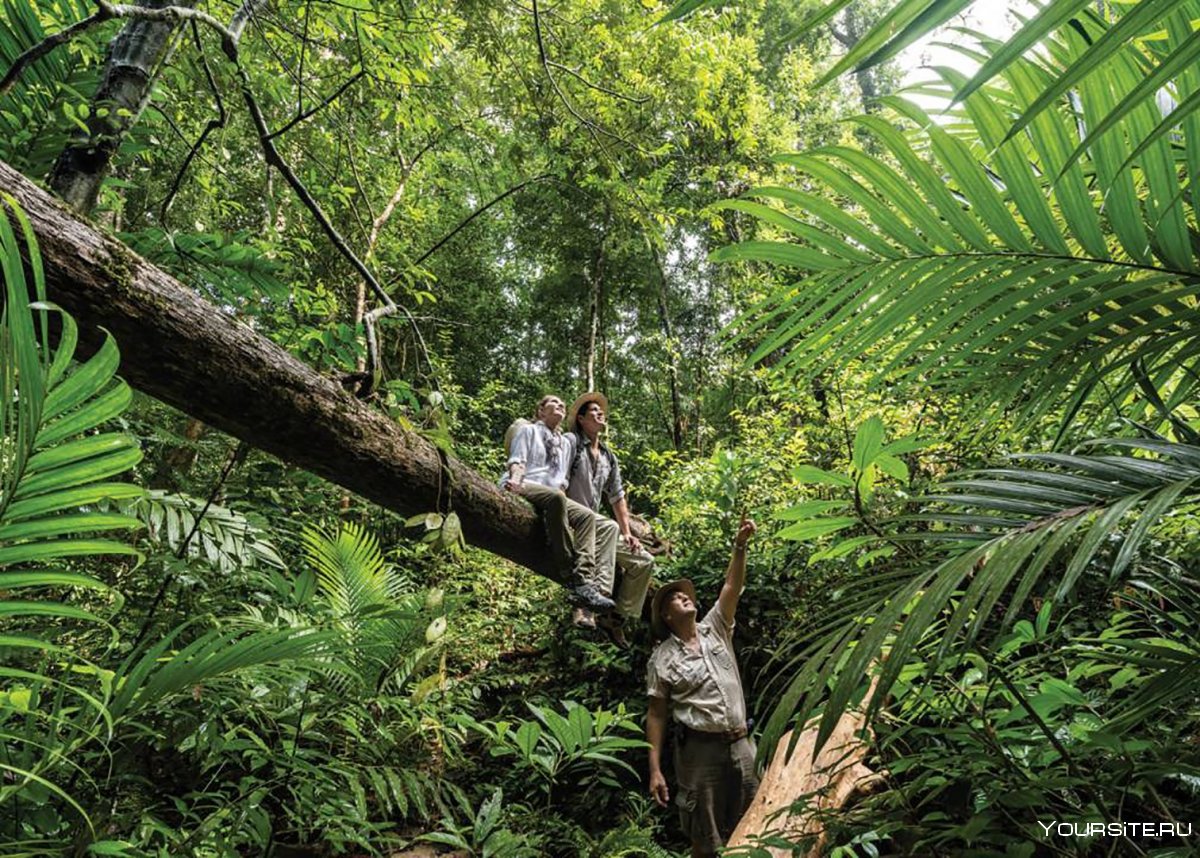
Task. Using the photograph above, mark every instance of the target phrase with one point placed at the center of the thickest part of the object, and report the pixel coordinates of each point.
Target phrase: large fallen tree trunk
(180, 349)
(798, 793)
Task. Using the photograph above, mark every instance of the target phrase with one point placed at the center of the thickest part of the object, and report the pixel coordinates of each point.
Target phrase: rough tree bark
(134, 57)
(184, 351)
(798, 793)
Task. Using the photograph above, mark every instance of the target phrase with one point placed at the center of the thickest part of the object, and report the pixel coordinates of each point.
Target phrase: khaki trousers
(717, 783)
(636, 568)
(570, 533)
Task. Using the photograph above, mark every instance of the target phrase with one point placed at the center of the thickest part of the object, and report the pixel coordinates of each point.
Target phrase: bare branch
(301, 117)
(211, 126)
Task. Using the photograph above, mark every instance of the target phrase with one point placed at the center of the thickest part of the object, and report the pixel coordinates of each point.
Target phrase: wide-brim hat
(657, 624)
(583, 400)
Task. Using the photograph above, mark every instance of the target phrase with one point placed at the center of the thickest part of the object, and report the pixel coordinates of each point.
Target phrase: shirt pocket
(722, 655)
(687, 676)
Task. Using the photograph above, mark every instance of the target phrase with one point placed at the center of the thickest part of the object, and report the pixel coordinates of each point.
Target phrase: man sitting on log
(539, 458)
(693, 677)
(595, 474)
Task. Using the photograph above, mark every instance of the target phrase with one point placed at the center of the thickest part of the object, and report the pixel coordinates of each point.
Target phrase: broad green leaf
(814, 528)
(808, 509)
(812, 475)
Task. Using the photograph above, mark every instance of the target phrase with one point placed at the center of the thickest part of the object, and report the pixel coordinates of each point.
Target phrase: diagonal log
(180, 349)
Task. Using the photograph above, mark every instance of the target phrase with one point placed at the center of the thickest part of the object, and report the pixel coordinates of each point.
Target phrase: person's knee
(638, 567)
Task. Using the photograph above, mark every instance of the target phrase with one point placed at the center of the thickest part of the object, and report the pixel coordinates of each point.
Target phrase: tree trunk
(799, 793)
(184, 351)
(664, 318)
(178, 460)
(855, 28)
(596, 278)
(134, 57)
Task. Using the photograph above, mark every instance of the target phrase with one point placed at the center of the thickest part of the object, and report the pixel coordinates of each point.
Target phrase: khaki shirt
(704, 689)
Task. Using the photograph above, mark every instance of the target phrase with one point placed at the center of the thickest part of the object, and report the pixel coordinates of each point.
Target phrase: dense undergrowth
(950, 367)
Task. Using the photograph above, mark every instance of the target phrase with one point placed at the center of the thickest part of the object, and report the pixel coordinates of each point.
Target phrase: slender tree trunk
(854, 28)
(178, 460)
(377, 225)
(135, 56)
(596, 282)
(182, 350)
(360, 290)
(664, 319)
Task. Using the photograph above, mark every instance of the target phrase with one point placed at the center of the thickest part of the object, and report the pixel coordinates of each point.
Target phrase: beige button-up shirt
(703, 689)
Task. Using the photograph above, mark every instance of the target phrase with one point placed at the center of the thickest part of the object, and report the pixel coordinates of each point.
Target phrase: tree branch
(635, 99)
(211, 126)
(428, 253)
(592, 127)
(171, 14)
(301, 117)
(179, 348)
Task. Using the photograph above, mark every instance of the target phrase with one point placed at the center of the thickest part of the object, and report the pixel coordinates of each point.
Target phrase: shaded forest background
(850, 329)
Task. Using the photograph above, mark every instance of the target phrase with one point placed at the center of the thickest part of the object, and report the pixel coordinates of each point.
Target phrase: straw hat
(583, 400)
(657, 624)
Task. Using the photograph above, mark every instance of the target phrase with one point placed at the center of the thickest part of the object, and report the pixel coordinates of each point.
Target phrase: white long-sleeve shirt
(546, 456)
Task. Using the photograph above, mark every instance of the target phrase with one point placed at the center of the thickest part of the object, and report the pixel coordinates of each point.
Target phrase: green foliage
(1038, 283)
(484, 837)
(233, 268)
(223, 537)
(1030, 260)
(56, 468)
(40, 112)
(871, 460)
(579, 749)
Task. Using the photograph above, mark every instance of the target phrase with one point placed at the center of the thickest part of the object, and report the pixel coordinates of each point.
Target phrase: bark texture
(180, 349)
(134, 57)
(828, 783)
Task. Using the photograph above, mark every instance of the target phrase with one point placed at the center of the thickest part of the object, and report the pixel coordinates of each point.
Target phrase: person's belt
(726, 736)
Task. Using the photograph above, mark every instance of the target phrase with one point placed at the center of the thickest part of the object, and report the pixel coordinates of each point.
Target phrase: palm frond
(1140, 25)
(39, 114)
(991, 263)
(351, 572)
(229, 267)
(1173, 666)
(152, 676)
(58, 466)
(224, 538)
(369, 603)
(1034, 528)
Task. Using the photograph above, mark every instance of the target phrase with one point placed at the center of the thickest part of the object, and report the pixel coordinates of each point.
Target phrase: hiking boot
(587, 596)
(614, 626)
(582, 618)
